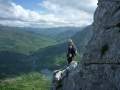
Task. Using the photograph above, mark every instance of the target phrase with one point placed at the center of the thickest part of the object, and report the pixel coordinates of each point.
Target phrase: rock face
(105, 43)
(100, 66)
(60, 75)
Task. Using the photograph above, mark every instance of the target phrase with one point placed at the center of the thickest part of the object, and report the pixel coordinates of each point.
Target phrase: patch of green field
(31, 81)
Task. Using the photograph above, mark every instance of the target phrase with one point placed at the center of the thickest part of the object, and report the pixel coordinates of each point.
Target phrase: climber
(72, 51)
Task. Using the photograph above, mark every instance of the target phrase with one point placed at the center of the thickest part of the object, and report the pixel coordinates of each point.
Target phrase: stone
(59, 75)
(99, 68)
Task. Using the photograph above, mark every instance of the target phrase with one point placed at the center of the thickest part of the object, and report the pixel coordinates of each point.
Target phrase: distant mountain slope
(49, 57)
(60, 34)
(22, 41)
(12, 63)
(54, 32)
(82, 38)
(16, 44)
(62, 37)
(55, 56)
(29, 40)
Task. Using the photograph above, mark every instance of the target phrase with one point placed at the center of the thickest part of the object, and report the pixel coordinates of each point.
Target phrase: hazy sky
(47, 13)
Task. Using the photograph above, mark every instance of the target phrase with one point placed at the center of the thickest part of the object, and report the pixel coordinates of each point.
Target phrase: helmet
(70, 41)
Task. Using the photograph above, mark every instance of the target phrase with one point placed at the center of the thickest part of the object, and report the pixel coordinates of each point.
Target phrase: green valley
(31, 81)
(22, 41)
(36, 50)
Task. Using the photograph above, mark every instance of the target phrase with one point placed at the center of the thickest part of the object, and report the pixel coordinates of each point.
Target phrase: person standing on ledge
(71, 52)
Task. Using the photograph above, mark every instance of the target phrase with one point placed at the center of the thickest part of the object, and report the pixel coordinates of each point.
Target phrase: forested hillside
(23, 50)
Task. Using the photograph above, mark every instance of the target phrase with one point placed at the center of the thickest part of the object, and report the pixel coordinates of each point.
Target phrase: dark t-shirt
(71, 51)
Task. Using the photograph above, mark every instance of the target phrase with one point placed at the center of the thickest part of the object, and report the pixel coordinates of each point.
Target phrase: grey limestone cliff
(99, 68)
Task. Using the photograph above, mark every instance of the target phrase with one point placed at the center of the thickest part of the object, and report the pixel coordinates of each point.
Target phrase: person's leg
(73, 58)
(69, 60)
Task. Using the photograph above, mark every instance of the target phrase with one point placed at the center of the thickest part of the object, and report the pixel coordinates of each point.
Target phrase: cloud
(86, 5)
(58, 13)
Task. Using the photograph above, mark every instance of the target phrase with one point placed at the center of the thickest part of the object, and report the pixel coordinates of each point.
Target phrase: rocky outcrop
(100, 66)
(105, 43)
(60, 75)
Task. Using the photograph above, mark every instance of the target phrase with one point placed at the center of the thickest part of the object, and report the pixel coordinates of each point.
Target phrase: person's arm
(67, 54)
